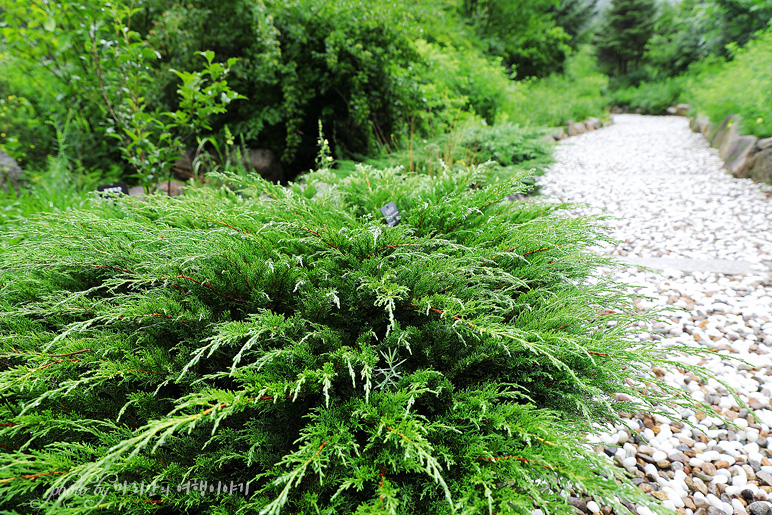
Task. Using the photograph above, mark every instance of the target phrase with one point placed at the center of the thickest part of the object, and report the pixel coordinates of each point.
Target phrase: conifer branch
(31, 476)
(207, 285)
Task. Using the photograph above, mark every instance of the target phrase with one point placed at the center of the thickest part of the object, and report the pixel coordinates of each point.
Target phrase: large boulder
(764, 144)
(720, 132)
(738, 159)
(264, 162)
(761, 168)
(682, 109)
(697, 123)
(10, 171)
(729, 142)
(706, 130)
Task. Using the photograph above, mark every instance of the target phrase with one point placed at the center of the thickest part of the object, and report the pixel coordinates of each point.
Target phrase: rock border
(745, 157)
(575, 128)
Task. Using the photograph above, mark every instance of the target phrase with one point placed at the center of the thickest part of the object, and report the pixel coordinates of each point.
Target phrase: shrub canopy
(289, 338)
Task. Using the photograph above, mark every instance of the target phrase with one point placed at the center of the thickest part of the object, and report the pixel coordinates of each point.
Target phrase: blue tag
(391, 214)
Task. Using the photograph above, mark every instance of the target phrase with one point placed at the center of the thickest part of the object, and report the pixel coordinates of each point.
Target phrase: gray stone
(761, 168)
(737, 161)
(719, 133)
(701, 476)
(678, 456)
(264, 162)
(729, 140)
(706, 130)
(722, 266)
(682, 109)
(10, 171)
(576, 128)
(700, 486)
(764, 144)
(579, 504)
(592, 124)
(765, 477)
(760, 508)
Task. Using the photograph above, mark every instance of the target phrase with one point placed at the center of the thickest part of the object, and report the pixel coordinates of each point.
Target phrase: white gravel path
(676, 203)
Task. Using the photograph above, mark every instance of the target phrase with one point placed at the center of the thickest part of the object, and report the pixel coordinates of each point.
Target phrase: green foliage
(507, 148)
(575, 17)
(576, 95)
(23, 135)
(737, 21)
(106, 69)
(61, 186)
(450, 364)
(461, 80)
(622, 36)
(682, 36)
(350, 64)
(650, 97)
(523, 32)
(741, 86)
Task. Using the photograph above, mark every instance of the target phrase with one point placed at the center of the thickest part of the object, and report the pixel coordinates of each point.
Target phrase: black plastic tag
(391, 214)
(113, 187)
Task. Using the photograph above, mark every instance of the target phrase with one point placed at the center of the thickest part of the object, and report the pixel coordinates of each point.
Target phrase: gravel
(672, 200)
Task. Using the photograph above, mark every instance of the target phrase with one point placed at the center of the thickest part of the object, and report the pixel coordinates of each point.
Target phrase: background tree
(622, 36)
(737, 21)
(681, 37)
(524, 33)
(574, 17)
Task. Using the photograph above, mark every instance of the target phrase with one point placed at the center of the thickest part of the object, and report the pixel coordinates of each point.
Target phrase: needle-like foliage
(289, 341)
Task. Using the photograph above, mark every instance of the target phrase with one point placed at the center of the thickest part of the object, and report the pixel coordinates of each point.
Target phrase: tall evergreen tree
(622, 36)
(574, 17)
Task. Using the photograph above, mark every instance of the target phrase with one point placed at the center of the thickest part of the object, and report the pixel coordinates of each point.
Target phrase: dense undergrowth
(287, 338)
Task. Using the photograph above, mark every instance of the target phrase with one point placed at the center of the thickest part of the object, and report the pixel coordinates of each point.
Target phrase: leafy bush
(461, 80)
(107, 70)
(650, 97)
(450, 364)
(524, 34)
(713, 87)
(23, 134)
(576, 95)
(509, 148)
(350, 64)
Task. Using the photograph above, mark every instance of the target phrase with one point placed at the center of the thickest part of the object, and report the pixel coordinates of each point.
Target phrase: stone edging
(743, 156)
(575, 128)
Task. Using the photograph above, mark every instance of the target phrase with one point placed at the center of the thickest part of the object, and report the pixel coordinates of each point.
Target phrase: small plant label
(391, 214)
(114, 187)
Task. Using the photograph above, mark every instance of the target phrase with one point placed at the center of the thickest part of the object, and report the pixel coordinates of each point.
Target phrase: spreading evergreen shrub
(289, 341)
